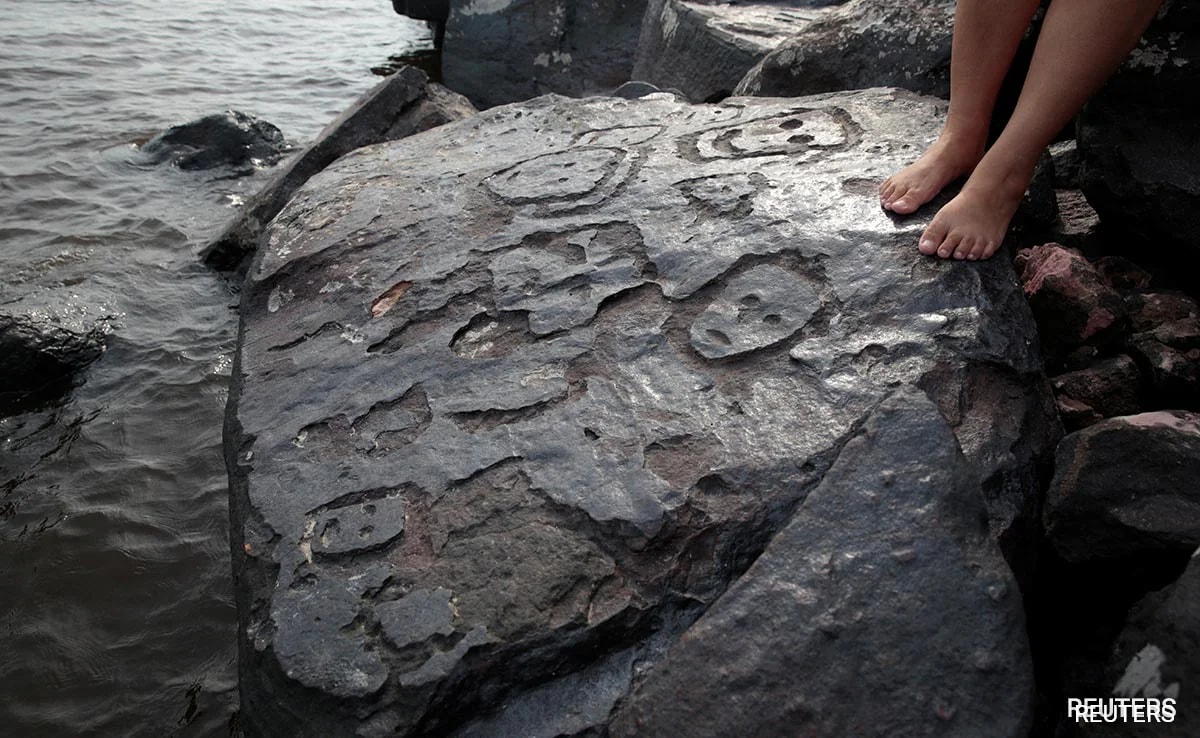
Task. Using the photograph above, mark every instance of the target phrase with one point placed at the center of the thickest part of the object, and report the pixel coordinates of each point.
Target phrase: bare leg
(986, 36)
(1081, 43)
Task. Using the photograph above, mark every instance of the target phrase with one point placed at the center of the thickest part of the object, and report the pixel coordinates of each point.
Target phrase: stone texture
(1139, 152)
(501, 51)
(883, 608)
(43, 352)
(232, 140)
(1156, 657)
(1077, 225)
(863, 43)
(1065, 157)
(704, 49)
(1122, 274)
(1126, 488)
(1166, 342)
(585, 358)
(403, 104)
(1105, 389)
(1070, 300)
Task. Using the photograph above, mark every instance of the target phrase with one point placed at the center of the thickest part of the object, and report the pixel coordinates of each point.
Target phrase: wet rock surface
(233, 140)
(403, 104)
(852, 598)
(1126, 488)
(502, 52)
(1139, 155)
(43, 352)
(517, 402)
(704, 49)
(863, 43)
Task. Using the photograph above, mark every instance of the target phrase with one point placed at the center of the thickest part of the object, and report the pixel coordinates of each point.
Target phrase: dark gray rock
(1156, 658)
(1126, 488)
(883, 608)
(704, 49)
(42, 354)
(232, 140)
(501, 51)
(1139, 152)
(428, 10)
(584, 358)
(1123, 274)
(1105, 389)
(863, 43)
(403, 104)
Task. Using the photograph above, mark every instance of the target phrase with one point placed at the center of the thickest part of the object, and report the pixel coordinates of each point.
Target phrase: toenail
(926, 244)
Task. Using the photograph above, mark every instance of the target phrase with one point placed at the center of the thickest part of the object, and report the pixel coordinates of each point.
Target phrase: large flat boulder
(704, 49)
(501, 51)
(520, 399)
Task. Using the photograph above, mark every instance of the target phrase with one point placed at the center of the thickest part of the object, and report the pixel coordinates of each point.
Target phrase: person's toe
(949, 245)
(987, 248)
(887, 193)
(932, 238)
(907, 202)
(964, 247)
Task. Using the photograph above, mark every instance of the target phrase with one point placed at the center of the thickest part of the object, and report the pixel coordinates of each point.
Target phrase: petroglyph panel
(536, 389)
(758, 308)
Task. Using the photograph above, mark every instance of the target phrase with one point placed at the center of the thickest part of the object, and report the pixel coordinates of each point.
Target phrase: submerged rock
(863, 43)
(403, 104)
(231, 139)
(518, 402)
(43, 354)
(1126, 488)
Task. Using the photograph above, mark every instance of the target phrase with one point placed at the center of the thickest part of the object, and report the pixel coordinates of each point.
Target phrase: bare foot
(949, 158)
(973, 224)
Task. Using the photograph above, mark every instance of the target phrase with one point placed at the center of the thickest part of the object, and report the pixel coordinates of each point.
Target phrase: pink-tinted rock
(1126, 488)
(1070, 300)
(1105, 389)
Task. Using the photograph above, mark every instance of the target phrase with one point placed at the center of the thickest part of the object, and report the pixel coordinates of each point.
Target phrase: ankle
(965, 139)
(996, 177)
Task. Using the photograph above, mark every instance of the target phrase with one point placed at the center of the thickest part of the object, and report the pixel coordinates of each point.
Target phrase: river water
(116, 607)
